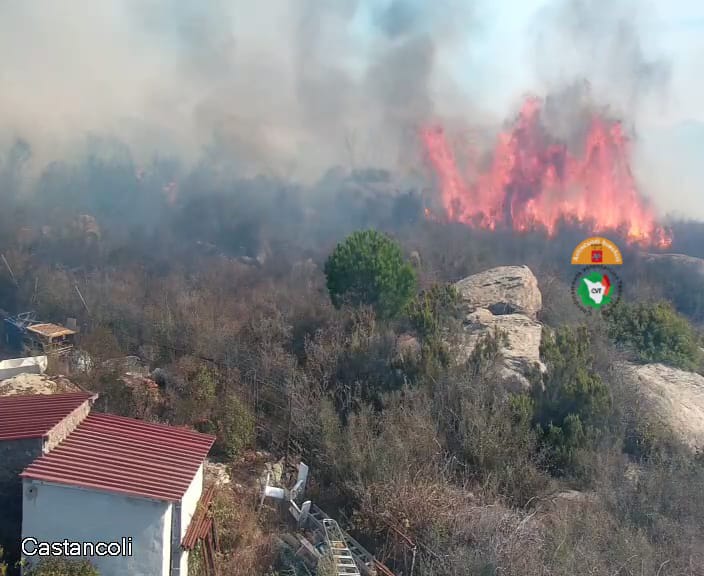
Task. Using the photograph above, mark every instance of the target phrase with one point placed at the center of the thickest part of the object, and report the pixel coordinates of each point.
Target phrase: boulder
(216, 473)
(503, 290)
(689, 264)
(131, 364)
(521, 352)
(675, 396)
(274, 471)
(508, 299)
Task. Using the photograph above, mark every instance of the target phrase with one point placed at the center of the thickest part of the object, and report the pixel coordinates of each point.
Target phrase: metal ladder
(365, 561)
(341, 555)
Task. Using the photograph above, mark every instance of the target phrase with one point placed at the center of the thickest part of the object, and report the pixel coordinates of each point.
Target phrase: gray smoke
(601, 55)
(601, 41)
(611, 44)
(276, 87)
(292, 88)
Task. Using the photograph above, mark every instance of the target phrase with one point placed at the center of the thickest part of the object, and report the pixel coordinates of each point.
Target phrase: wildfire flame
(532, 183)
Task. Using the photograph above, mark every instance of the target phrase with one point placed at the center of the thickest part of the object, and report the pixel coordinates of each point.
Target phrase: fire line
(534, 182)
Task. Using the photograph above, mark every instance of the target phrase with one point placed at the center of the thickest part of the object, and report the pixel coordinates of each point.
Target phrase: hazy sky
(293, 86)
(500, 57)
(669, 151)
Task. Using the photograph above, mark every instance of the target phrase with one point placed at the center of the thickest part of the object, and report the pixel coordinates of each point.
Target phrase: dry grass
(454, 532)
(246, 547)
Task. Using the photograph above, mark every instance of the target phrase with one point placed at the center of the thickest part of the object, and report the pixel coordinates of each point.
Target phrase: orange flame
(532, 183)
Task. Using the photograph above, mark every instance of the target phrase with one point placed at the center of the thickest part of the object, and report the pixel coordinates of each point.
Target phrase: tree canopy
(368, 268)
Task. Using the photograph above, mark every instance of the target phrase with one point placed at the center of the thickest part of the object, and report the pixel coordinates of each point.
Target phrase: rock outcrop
(216, 473)
(506, 298)
(676, 398)
(688, 264)
(503, 290)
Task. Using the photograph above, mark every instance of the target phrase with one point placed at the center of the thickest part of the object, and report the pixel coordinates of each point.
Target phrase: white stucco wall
(189, 503)
(166, 539)
(15, 366)
(53, 513)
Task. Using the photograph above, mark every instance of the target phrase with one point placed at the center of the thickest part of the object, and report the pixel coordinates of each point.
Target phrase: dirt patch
(36, 384)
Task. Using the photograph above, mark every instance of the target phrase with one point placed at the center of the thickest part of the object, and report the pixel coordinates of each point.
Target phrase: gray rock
(522, 351)
(503, 290)
(276, 471)
(506, 298)
(217, 473)
(676, 397)
(690, 264)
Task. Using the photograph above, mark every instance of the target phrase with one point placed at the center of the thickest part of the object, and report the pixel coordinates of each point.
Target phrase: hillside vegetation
(656, 333)
(273, 333)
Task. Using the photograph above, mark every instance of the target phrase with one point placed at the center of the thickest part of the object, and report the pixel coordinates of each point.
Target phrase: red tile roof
(202, 521)
(50, 330)
(33, 416)
(125, 456)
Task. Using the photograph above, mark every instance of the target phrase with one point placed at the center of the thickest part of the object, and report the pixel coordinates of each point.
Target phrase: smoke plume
(276, 87)
(601, 41)
(290, 89)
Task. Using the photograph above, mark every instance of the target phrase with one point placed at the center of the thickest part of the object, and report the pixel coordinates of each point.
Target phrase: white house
(117, 486)
(30, 426)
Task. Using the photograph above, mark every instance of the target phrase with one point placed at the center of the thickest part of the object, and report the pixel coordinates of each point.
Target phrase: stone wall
(67, 425)
(15, 456)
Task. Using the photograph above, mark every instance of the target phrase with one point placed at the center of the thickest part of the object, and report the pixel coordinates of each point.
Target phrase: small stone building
(108, 479)
(30, 426)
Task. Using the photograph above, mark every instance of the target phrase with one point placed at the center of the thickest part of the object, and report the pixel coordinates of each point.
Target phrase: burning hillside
(533, 181)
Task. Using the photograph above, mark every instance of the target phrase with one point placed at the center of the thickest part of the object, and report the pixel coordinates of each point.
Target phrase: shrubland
(61, 567)
(655, 332)
(271, 331)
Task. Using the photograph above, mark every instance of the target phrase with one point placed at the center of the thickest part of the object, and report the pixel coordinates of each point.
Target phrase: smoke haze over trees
(291, 90)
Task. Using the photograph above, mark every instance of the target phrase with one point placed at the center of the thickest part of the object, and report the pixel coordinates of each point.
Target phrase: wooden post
(216, 539)
(211, 556)
(288, 431)
(12, 274)
(82, 300)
